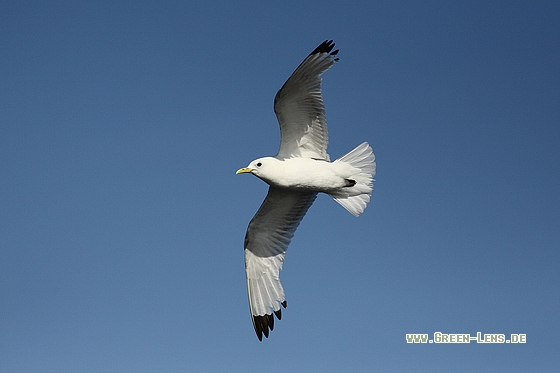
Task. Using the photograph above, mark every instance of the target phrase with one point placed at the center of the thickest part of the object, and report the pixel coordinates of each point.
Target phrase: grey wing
(300, 109)
(268, 236)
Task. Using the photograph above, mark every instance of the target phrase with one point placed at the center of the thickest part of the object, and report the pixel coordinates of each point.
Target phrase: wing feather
(300, 109)
(268, 236)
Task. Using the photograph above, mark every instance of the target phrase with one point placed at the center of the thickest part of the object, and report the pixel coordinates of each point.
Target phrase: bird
(301, 169)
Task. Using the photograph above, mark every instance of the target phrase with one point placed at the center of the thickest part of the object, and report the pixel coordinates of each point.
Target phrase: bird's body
(299, 171)
(304, 174)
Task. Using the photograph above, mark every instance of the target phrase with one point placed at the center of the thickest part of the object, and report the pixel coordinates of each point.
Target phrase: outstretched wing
(268, 236)
(300, 110)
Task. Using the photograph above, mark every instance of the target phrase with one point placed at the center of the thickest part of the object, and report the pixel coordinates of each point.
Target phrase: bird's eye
(259, 164)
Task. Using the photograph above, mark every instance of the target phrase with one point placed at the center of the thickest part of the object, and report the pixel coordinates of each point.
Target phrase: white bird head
(261, 167)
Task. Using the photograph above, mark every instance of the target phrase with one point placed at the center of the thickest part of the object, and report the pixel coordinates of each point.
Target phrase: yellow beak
(244, 170)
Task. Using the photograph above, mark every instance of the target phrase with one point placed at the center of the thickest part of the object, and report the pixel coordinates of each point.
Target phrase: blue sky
(121, 232)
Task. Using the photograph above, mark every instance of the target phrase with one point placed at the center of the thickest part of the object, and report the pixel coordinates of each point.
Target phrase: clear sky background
(122, 220)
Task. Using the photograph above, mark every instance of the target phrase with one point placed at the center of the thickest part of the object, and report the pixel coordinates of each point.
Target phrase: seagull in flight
(301, 169)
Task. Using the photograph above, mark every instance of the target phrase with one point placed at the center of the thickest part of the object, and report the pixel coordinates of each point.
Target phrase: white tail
(355, 198)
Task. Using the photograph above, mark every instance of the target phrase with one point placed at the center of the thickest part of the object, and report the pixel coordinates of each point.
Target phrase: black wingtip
(265, 324)
(326, 47)
(262, 325)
